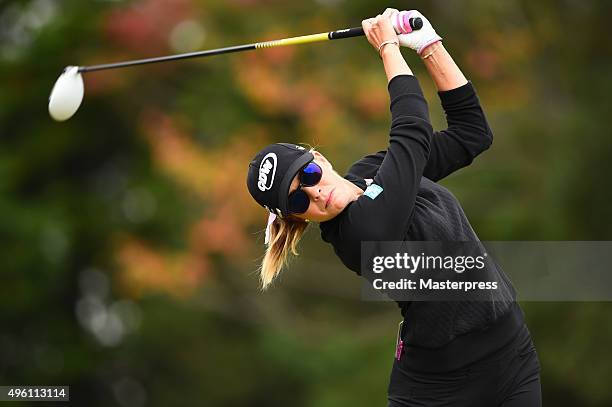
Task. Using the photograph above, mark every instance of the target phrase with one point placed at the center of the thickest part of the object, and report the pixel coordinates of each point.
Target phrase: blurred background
(130, 245)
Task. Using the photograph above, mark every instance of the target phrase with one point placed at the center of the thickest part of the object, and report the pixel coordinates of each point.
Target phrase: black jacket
(439, 336)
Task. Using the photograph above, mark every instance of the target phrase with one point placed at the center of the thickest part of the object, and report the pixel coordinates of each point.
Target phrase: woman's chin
(333, 210)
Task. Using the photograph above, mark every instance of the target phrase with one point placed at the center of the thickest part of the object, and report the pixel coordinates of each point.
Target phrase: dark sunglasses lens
(311, 175)
(298, 202)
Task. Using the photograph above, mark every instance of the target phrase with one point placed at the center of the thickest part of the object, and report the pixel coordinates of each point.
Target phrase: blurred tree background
(130, 243)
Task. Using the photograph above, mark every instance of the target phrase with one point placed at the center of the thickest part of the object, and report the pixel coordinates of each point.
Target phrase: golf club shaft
(331, 35)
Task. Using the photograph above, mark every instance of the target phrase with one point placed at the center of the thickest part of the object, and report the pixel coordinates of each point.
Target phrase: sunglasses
(309, 176)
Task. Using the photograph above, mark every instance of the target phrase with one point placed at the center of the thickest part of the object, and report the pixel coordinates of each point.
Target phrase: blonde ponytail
(284, 237)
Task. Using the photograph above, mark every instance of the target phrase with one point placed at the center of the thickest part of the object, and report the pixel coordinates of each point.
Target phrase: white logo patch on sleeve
(373, 191)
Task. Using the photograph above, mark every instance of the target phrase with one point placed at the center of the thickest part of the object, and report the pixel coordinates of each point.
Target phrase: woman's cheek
(339, 204)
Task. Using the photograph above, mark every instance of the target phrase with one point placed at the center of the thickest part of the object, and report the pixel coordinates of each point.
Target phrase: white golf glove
(418, 40)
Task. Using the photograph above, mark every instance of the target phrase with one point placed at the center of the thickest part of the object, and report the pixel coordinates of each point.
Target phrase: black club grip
(416, 23)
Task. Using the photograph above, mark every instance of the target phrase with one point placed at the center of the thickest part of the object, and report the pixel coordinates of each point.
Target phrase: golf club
(68, 91)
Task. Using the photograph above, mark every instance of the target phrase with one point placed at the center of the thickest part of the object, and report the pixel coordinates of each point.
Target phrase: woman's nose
(314, 192)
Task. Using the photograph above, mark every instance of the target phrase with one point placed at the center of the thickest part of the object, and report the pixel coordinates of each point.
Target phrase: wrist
(388, 48)
(430, 49)
(429, 46)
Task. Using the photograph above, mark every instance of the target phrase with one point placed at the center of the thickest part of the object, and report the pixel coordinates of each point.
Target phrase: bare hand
(379, 29)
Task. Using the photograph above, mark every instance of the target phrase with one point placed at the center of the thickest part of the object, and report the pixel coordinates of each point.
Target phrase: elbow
(482, 131)
(484, 137)
(487, 138)
(481, 141)
(487, 133)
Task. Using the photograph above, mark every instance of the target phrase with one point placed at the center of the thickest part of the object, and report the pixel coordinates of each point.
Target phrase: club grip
(346, 33)
(404, 24)
(414, 24)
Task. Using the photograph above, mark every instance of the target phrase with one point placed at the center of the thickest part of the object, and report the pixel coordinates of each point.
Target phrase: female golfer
(450, 353)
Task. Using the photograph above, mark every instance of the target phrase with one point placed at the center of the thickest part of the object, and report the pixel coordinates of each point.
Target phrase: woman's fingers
(379, 29)
(380, 20)
(367, 29)
(389, 12)
(385, 27)
(370, 22)
(367, 26)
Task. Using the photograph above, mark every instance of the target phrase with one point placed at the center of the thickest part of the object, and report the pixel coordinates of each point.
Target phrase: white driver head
(67, 94)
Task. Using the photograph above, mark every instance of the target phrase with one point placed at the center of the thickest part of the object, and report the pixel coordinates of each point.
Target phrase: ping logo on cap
(267, 170)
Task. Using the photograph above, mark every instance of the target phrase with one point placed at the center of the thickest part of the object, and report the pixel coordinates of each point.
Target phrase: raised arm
(382, 36)
(389, 207)
(442, 68)
(468, 133)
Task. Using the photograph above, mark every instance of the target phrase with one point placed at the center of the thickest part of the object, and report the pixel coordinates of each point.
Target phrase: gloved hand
(418, 40)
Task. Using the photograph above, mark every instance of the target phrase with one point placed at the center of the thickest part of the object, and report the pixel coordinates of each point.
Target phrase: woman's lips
(329, 198)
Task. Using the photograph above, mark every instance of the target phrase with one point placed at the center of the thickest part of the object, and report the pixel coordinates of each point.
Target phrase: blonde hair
(285, 235)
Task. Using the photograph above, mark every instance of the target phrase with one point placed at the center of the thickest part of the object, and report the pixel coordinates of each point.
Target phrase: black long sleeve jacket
(411, 206)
